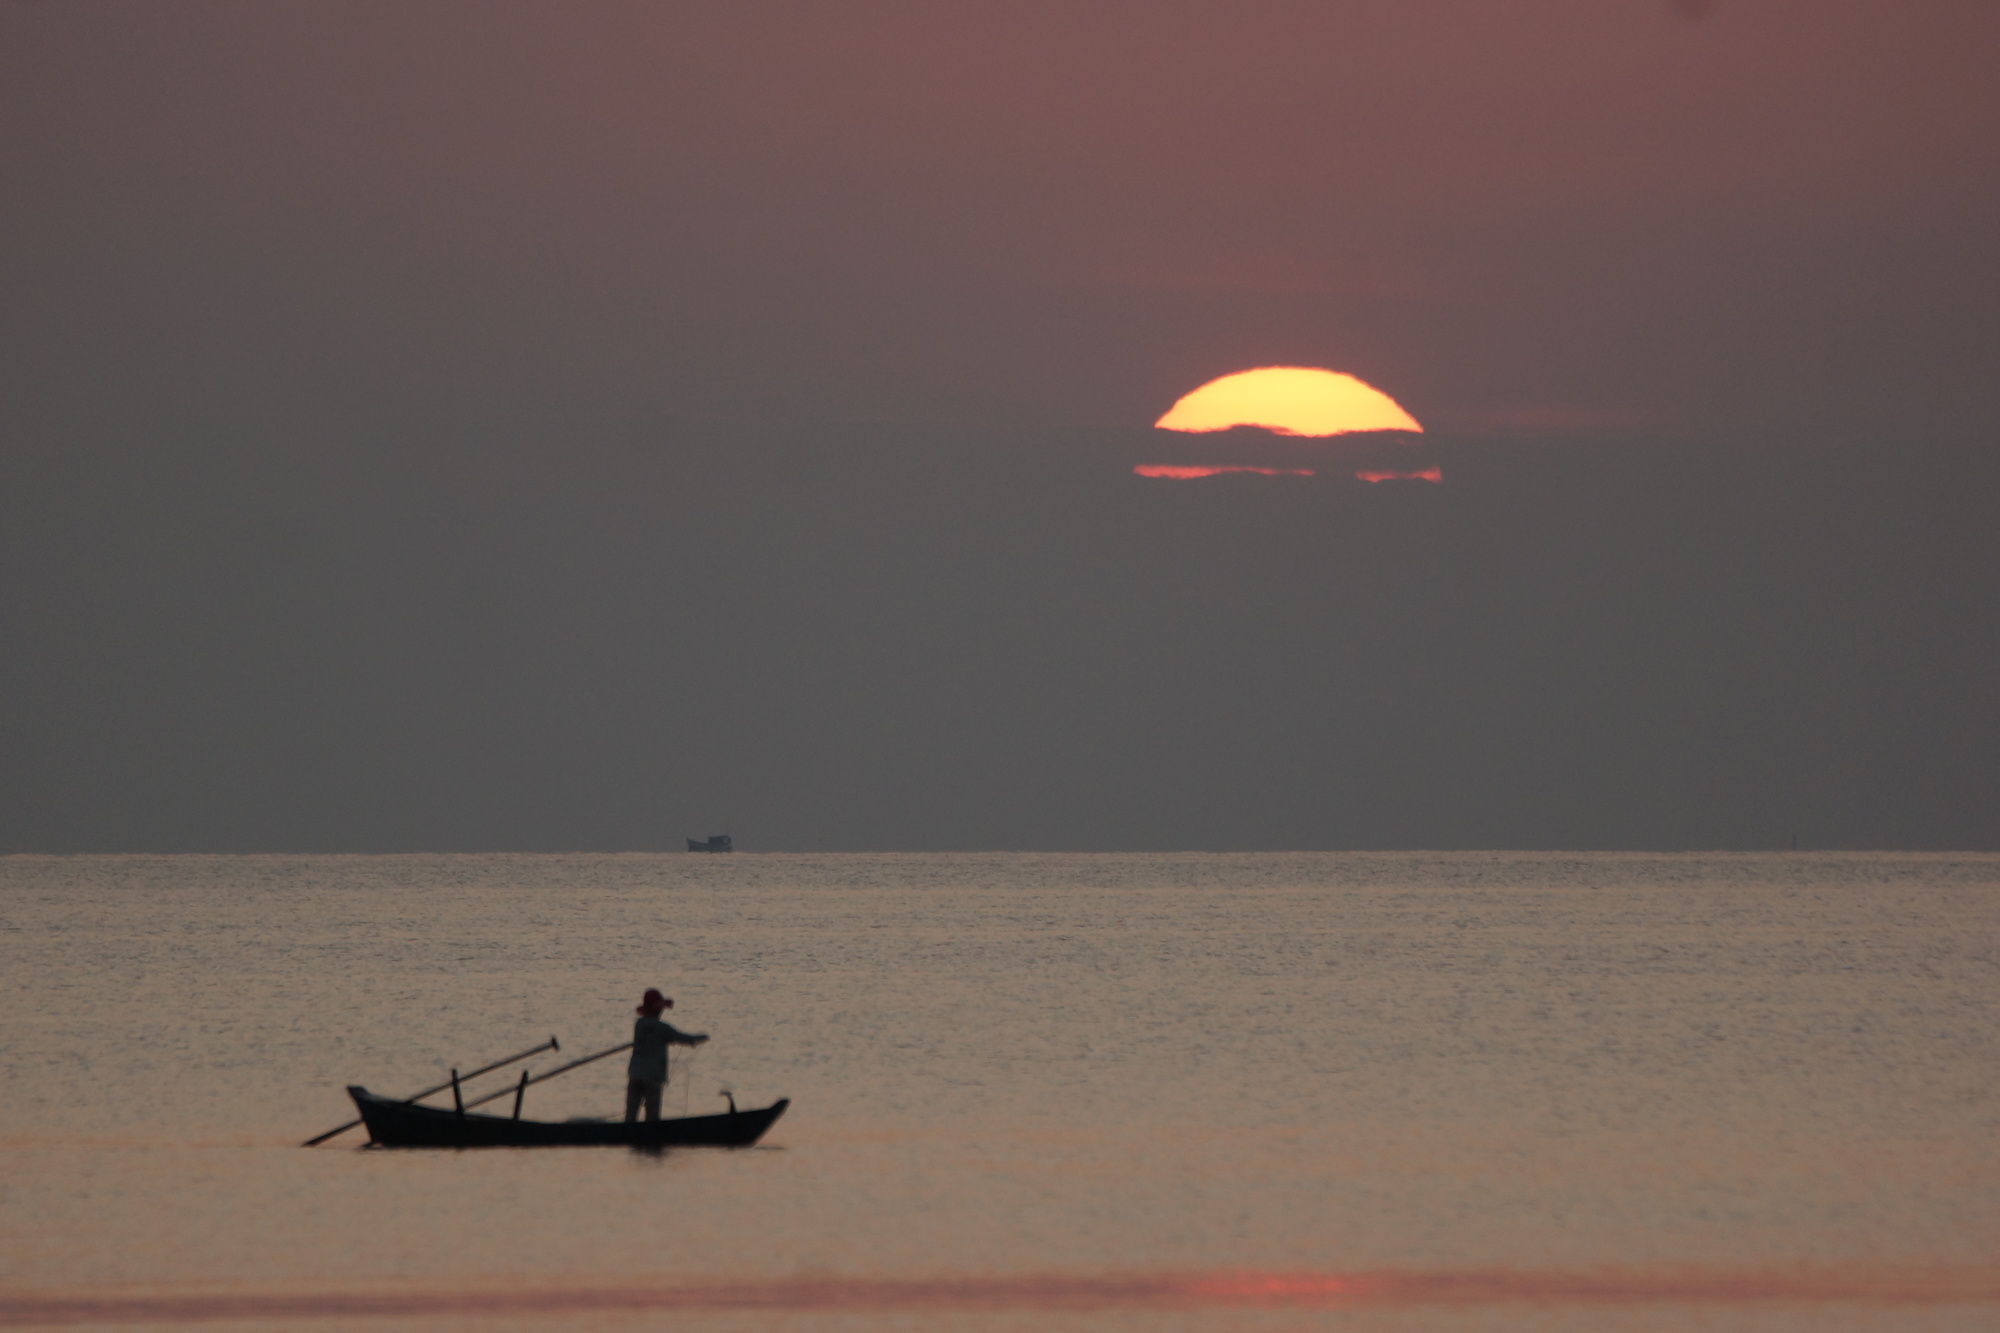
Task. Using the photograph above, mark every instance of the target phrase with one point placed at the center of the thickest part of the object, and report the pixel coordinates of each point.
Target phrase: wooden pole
(520, 1091)
(543, 1078)
(457, 1098)
(550, 1045)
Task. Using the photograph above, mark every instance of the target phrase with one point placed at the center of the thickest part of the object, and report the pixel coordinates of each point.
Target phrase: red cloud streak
(1881, 1287)
(1176, 472)
(1432, 474)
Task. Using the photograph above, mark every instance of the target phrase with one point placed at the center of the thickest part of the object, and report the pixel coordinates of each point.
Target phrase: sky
(491, 425)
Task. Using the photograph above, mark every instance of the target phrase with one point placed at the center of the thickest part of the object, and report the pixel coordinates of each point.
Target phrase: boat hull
(394, 1124)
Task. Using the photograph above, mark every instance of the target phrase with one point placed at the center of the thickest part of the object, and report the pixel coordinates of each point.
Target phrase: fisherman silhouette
(646, 1074)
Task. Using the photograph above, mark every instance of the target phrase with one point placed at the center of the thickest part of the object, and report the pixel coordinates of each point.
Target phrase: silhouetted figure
(646, 1075)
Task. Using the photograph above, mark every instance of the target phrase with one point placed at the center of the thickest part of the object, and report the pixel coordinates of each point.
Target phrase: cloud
(1181, 472)
(1433, 473)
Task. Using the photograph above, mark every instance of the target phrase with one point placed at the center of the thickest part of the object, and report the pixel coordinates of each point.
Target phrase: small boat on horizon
(715, 842)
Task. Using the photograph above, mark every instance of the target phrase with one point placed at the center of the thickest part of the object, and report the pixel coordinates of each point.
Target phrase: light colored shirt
(650, 1039)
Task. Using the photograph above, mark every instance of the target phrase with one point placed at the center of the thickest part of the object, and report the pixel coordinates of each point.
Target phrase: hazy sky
(472, 424)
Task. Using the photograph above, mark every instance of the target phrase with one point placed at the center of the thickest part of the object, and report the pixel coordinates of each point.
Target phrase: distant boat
(716, 842)
(396, 1124)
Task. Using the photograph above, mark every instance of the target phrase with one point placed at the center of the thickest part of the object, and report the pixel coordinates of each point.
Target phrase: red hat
(652, 1002)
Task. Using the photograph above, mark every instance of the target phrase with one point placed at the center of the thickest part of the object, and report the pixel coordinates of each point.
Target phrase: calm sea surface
(1410, 1092)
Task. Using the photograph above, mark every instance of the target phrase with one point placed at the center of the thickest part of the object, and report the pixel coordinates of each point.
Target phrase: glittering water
(1076, 1092)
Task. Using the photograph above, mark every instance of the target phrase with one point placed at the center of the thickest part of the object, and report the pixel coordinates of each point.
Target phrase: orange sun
(1288, 400)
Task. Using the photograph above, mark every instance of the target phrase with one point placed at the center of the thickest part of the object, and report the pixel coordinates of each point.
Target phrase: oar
(550, 1045)
(543, 1078)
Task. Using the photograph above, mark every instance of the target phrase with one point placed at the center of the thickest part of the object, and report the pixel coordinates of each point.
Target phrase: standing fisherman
(646, 1075)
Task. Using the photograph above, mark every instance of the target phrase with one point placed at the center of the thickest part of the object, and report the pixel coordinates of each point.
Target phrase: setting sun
(1288, 400)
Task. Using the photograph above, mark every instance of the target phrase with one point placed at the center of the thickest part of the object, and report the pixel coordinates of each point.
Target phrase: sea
(1424, 1092)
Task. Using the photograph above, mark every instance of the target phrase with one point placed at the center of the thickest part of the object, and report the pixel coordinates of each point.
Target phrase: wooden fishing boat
(394, 1123)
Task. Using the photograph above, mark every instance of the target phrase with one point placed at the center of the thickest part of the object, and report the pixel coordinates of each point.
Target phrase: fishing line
(687, 1077)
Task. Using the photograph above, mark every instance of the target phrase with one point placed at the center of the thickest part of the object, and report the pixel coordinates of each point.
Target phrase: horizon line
(1044, 851)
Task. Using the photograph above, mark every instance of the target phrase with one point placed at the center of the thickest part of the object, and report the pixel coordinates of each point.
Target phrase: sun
(1288, 400)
